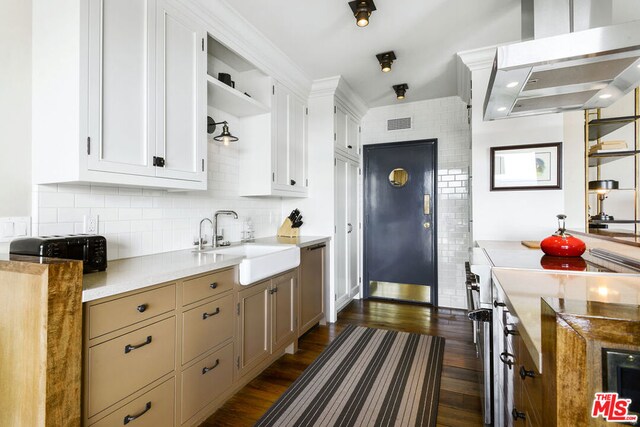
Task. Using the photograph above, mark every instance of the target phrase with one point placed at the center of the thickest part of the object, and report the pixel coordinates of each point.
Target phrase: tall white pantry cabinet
(119, 94)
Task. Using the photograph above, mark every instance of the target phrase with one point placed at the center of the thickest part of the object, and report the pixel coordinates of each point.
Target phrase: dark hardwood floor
(459, 390)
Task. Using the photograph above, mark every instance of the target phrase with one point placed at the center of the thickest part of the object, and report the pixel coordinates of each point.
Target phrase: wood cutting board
(531, 244)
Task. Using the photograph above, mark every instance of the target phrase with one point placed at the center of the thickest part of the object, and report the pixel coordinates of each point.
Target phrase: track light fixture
(225, 138)
(401, 90)
(362, 11)
(385, 60)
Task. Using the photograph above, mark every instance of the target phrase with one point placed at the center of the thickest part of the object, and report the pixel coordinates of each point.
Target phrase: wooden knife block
(286, 229)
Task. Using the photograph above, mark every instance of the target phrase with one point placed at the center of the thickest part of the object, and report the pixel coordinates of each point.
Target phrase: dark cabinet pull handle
(349, 147)
(504, 358)
(293, 182)
(142, 308)
(273, 291)
(130, 418)
(207, 315)
(129, 348)
(524, 373)
(497, 304)
(517, 415)
(215, 365)
(213, 285)
(508, 332)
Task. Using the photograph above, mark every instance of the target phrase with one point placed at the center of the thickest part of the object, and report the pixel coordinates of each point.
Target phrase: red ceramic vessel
(562, 243)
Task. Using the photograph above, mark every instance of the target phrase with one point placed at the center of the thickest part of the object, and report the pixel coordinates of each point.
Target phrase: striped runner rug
(366, 377)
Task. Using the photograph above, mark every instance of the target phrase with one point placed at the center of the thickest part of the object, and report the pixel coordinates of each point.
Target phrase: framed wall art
(526, 167)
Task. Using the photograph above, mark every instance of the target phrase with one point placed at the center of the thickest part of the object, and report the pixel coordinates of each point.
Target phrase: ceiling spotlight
(225, 138)
(512, 84)
(385, 60)
(605, 96)
(401, 90)
(362, 11)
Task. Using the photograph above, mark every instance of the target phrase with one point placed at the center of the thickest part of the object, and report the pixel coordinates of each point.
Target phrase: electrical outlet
(91, 224)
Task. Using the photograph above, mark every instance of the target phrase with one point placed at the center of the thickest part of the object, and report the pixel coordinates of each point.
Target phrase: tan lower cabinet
(207, 326)
(153, 409)
(125, 364)
(170, 354)
(205, 381)
(311, 287)
(283, 310)
(267, 319)
(254, 325)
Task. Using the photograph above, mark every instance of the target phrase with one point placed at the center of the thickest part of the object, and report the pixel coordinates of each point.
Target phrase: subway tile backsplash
(141, 221)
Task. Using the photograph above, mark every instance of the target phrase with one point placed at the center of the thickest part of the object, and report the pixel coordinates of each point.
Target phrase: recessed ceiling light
(512, 84)
(605, 96)
(385, 60)
(401, 90)
(362, 10)
(501, 109)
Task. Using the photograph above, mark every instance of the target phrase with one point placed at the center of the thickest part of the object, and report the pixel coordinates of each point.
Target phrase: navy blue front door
(399, 218)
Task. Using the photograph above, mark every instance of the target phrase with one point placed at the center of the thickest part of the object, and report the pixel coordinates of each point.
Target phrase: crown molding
(338, 86)
(478, 59)
(230, 28)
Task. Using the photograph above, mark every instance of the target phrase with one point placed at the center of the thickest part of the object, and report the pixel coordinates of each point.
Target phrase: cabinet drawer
(160, 402)
(207, 286)
(116, 369)
(206, 380)
(116, 314)
(531, 385)
(206, 326)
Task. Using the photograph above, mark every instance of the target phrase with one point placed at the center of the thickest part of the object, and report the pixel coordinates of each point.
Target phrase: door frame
(366, 149)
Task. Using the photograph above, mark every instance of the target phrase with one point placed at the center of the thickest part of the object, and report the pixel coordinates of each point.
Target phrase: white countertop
(525, 288)
(130, 274)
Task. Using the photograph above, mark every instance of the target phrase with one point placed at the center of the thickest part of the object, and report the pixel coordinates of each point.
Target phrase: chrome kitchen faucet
(216, 236)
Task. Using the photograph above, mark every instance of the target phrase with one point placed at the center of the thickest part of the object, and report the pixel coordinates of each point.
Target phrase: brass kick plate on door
(427, 204)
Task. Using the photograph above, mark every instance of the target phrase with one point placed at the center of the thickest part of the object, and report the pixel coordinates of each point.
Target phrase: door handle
(427, 204)
(350, 229)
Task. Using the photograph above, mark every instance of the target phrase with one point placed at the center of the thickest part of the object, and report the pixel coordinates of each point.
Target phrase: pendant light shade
(362, 10)
(225, 138)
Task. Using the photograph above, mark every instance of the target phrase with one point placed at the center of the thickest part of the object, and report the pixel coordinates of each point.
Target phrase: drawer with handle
(152, 409)
(206, 326)
(119, 313)
(208, 285)
(123, 365)
(206, 380)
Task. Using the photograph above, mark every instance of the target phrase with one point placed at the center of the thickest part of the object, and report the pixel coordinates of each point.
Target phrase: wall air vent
(399, 124)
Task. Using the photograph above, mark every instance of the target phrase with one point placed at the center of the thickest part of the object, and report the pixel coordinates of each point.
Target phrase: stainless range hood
(581, 70)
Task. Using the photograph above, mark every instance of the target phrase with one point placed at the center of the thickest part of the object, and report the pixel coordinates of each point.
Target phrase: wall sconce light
(401, 90)
(362, 11)
(602, 189)
(225, 138)
(385, 60)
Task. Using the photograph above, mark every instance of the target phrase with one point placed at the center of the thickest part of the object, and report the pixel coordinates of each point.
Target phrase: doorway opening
(400, 211)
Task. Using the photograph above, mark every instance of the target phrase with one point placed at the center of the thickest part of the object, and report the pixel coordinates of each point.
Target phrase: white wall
(511, 215)
(15, 109)
(445, 119)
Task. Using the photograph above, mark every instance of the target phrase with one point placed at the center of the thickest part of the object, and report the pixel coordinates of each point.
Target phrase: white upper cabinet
(181, 75)
(139, 89)
(121, 113)
(346, 132)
